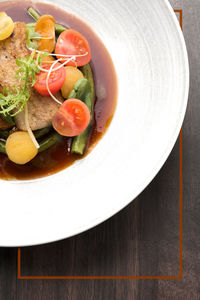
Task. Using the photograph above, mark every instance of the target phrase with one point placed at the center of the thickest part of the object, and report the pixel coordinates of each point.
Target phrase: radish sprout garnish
(29, 128)
(49, 73)
(52, 69)
(56, 54)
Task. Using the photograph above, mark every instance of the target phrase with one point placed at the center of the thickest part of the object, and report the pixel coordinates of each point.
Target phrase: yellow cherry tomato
(72, 76)
(6, 26)
(20, 147)
(45, 26)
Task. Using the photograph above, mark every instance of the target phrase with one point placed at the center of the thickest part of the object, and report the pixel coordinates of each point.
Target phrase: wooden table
(142, 241)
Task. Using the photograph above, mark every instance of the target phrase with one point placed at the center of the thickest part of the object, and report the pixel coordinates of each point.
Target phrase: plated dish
(55, 102)
(149, 55)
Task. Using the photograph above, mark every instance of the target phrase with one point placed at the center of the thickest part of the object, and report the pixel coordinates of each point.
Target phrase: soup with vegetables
(58, 89)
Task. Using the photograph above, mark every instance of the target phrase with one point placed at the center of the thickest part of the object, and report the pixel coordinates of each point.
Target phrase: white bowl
(148, 50)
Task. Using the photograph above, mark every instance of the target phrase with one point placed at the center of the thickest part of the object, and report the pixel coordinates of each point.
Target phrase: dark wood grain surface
(141, 240)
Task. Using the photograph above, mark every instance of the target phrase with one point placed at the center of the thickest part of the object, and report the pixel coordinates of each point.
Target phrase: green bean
(32, 35)
(8, 119)
(4, 134)
(2, 146)
(45, 143)
(88, 74)
(41, 132)
(35, 15)
(31, 25)
(80, 142)
(59, 28)
(82, 91)
(49, 141)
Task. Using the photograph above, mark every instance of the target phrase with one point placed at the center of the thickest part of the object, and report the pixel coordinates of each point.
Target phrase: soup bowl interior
(149, 54)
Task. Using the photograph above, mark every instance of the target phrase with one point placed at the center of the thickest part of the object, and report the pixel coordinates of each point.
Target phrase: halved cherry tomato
(6, 26)
(72, 76)
(55, 82)
(45, 26)
(72, 118)
(71, 42)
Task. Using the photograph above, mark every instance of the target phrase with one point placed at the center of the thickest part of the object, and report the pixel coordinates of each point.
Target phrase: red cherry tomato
(72, 118)
(55, 82)
(73, 43)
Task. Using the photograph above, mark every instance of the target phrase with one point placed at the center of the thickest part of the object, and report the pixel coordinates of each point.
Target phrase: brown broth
(58, 157)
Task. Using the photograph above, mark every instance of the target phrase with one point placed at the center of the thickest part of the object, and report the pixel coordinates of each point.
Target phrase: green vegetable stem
(40, 132)
(4, 134)
(35, 15)
(59, 28)
(32, 35)
(7, 118)
(85, 91)
(2, 146)
(49, 141)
